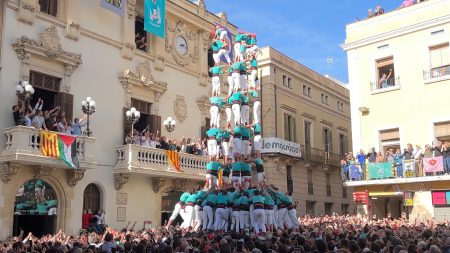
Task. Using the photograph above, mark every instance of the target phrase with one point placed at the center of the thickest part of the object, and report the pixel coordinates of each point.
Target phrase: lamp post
(133, 116)
(170, 124)
(88, 108)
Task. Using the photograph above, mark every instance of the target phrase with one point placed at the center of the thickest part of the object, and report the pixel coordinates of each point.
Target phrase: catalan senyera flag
(174, 159)
(60, 146)
(220, 178)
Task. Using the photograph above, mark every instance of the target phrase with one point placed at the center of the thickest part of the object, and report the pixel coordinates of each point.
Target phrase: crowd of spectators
(154, 140)
(397, 157)
(379, 10)
(336, 233)
(52, 120)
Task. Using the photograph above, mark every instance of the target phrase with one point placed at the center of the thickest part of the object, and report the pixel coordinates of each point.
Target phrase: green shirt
(246, 132)
(246, 167)
(258, 199)
(237, 130)
(217, 45)
(222, 199)
(257, 128)
(225, 134)
(184, 196)
(213, 131)
(210, 198)
(245, 99)
(253, 94)
(192, 198)
(237, 96)
(236, 166)
(226, 167)
(217, 70)
(200, 194)
(268, 200)
(243, 200)
(219, 31)
(254, 63)
(259, 161)
(250, 192)
(212, 166)
(239, 37)
(217, 101)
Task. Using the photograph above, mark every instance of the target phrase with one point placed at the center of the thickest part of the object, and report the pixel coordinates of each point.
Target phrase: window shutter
(286, 127)
(65, 102)
(294, 130)
(439, 56)
(330, 142)
(155, 123)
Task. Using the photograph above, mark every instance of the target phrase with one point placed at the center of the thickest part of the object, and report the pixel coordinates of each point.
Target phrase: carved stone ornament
(201, 9)
(131, 8)
(120, 180)
(203, 80)
(26, 11)
(72, 30)
(7, 171)
(192, 40)
(161, 184)
(42, 172)
(206, 39)
(48, 45)
(203, 105)
(223, 18)
(180, 108)
(73, 176)
(160, 63)
(142, 76)
(128, 50)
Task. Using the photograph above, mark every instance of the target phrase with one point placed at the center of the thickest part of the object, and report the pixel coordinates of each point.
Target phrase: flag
(155, 17)
(355, 171)
(228, 39)
(409, 168)
(380, 170)
(220, 178)
(60, 146)
(174, 159)
(434, 164)
(116, 6)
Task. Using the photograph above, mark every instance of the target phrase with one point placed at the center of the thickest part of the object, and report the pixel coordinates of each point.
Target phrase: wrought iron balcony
(437, 73)
(155, 163)
(387, 85)
(23, 146)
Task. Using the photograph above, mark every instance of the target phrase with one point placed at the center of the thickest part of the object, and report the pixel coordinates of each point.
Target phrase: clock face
(181, 45)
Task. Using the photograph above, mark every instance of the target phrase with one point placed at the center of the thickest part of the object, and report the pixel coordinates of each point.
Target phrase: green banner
(155, 17)
(380, 170)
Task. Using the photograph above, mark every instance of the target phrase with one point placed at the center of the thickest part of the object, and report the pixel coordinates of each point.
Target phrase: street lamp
(24, 91)
(88, 108)
(170, 124)
(133, 116)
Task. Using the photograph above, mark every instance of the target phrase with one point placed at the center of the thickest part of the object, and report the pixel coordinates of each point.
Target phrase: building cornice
(396, 33)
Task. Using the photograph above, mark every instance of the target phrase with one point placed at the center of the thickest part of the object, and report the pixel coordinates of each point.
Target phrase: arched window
(91, 197)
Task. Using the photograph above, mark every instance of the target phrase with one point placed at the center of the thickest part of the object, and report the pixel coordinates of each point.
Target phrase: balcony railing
(320, 156)
(154, 162)
(439, 72)
(23, 147)
(388, 84)
(387, 172)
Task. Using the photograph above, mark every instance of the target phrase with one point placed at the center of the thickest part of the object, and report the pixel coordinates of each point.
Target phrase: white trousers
(198, 217)
(225, 148)
(245, 147)
(219, 54)
(261, 176)
(257, 142)
(252, 50)
(269, 216)
(257, 112)
(243, 82)
(230, 84)
(292, 214)
(212, 147)
(223, 34)
(189, 215)
(228, 112)
(235, 220)
(236, 108)
(244, 219)
(208, 217)
(221, 218)
(214, 112)
(216, 85)
(282, 214)
(237, 49)
(245, 114)
(252, 78)
(237, 145)
(236, 77)
(259, 220)
(175, 211)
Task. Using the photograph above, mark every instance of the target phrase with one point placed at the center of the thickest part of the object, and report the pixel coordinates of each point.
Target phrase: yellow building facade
(306, 130)
(399, 79)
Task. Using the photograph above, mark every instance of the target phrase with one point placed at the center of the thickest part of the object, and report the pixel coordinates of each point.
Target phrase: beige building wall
(418, 101)
(283, 83)
(110, 72)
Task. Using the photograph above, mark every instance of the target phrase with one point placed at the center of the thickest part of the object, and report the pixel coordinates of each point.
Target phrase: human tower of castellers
(238, 205)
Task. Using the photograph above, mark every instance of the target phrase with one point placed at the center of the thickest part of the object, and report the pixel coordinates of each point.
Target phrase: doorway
(35, 208)
(169, 199)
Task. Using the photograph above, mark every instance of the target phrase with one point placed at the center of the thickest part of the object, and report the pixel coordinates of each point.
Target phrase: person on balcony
(378, 10)
(408, 152)
(77, 125)
(398, 162)
(372, 155)
(446, 154)
(39, 121)
(361, 158)
(383, 82)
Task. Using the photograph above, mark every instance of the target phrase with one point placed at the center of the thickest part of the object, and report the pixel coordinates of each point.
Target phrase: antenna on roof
(330, 61)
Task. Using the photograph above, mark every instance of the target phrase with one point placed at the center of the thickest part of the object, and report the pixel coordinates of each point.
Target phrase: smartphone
(239, 246)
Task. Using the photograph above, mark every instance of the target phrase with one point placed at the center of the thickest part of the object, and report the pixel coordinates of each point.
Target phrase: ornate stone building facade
(69, 50)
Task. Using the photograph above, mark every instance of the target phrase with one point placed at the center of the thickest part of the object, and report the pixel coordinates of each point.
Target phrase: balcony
(437, 74)
(155, 163)
(23, 147)
(320, 156)
(386, 174)
(390, 84)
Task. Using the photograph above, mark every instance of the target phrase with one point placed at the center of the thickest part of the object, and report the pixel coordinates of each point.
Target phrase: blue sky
(307, 31)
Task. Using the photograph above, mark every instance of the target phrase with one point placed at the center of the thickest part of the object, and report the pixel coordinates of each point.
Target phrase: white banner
(275, 145)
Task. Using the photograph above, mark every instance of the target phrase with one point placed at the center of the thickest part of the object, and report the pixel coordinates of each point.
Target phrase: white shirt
(52, 211)
(417, 153)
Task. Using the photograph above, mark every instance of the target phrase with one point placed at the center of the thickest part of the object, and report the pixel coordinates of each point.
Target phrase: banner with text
(380, 170)
(409, 168)
(116, 6)
(275, 145)
(155, 17)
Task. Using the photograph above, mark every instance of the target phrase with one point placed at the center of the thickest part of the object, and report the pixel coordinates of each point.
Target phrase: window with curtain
(289, 128)
(440, 60)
